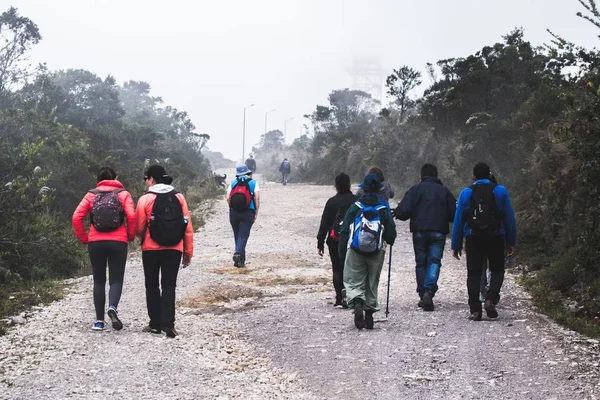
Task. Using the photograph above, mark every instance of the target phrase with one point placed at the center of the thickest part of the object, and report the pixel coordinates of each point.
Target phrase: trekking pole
(387, 304)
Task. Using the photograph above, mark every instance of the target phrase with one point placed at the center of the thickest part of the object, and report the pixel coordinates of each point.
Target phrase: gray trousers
(361, 277)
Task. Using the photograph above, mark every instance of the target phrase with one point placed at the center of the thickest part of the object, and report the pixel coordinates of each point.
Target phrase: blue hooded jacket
(508, 227)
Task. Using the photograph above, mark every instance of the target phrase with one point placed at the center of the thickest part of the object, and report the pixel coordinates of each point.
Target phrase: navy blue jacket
(508, 227)
(429, 205)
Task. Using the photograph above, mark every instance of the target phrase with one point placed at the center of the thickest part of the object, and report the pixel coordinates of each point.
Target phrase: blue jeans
(284, 175)
(241, 222)
(429, 249)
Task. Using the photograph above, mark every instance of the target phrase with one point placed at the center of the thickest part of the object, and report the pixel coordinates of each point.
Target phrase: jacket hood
(431, 179)
(110, 185)
(160, 188)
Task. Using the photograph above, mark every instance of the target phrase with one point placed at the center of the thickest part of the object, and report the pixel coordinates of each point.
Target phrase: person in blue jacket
(485, 218)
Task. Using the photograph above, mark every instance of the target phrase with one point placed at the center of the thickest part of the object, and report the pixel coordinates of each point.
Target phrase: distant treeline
(531, 113)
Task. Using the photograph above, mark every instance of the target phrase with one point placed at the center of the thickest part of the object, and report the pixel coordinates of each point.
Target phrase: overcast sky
(213, 58)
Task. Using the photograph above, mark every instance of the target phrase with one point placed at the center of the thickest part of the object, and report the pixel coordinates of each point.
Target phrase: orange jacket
(143, 212)
(121, 234)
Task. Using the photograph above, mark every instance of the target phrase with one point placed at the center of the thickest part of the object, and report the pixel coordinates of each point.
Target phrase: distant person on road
(251, 163)
(165, 227)
(366, 225)
(485, 217)
(112, 225)
(386, 192)
(285, 168)
(430, 206)
(243, 197)
(329, 232)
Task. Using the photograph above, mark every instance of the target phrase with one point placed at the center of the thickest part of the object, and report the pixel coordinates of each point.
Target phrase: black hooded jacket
(330, 212)
(429, 205)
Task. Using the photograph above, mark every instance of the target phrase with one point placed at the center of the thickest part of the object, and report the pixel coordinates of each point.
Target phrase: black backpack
(107, 211)
(167, 222)
(484, 217)
(334, 232)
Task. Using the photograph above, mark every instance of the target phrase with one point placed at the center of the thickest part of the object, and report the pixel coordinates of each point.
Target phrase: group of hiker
(161, 220)
(356, 228)
(285, 168)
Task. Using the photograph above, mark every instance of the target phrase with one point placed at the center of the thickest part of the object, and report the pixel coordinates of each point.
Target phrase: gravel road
(270, 331)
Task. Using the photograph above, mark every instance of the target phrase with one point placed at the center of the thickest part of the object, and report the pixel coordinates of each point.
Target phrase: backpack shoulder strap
(359, 204)
(94, 191)
(118, 190)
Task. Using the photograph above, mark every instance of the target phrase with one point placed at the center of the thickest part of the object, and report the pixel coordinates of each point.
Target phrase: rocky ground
(270, 331)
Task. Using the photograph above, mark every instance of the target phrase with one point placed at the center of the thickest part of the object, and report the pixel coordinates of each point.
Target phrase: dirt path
(270, 331)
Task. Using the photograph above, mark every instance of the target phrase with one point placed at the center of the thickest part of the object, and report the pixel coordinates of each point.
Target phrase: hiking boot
(98, 326)
(427, 302)
(237, 259)
(116, 322)
(171, 332)
(369, 319)
(152, 330)
(359, 317)
(420, 303)
(475, 316)
(490, 309)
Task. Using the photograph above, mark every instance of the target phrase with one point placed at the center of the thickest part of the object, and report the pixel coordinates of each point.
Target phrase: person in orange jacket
(165, 228)
(110, 206)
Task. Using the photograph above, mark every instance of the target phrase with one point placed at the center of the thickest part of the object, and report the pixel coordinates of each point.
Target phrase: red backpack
(241, 196)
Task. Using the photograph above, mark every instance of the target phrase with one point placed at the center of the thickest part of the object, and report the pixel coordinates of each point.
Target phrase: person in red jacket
(113, 225)
(163, 258)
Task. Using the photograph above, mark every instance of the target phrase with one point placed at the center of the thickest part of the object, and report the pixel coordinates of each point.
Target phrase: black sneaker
(476, 316)
(420, 303)
(116, 322)
(171, 332)
(369, 319)
(237, 259)
(149, 329)
(344, 302)
(427, 302)
(359, 317)
(490, 309)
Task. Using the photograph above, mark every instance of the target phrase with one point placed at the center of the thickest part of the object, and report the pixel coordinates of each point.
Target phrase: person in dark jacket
(430, 206)
(386, 192)
(251, 163)
(333, 214)
(362, 271)
(285, 168)
(481, 246)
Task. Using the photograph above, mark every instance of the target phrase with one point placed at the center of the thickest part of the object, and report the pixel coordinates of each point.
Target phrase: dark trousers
(338, 269)
(241, 222)
(429, 250)
(115, 254)
(161, 306)
(479, 249)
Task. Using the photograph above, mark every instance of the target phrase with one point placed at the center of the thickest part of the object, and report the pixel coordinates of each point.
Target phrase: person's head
(242, 170)
(342, 183)
(481, 171)
(371, 184)
(156, 174)
(251, 156)
(285, 159)
(376, 170)
(106, 174)
(429, 170)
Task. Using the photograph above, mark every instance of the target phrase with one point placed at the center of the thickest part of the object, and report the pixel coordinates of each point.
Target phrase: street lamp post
(266, 114)
(285, 128)
(244, 133)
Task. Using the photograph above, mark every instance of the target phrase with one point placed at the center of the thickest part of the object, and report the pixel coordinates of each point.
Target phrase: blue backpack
(366, 232)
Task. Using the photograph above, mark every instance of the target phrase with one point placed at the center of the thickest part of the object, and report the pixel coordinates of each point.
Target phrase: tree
(17, 35)
(400, 83)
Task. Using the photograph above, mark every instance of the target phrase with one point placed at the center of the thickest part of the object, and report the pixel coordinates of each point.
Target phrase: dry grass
(231, 271)
(221, 293)
(282, 280)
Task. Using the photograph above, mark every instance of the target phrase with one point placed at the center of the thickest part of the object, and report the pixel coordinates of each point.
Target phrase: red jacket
(144, 210)
(122, 234)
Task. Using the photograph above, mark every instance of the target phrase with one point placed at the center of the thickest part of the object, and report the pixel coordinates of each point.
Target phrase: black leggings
(161, 306)
(338, 269)
(115, 253)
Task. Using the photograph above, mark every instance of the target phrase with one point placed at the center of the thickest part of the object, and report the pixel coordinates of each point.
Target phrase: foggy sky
(213, 58)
